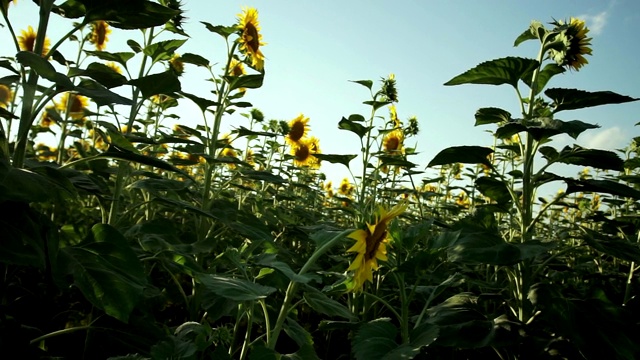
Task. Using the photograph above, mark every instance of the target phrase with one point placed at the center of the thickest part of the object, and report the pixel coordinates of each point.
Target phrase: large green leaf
(163, 50)
(202, 103)
(336, 159)
(325, 305)
(233, 288)
(374, 340)
(489, 248)
(576, 155)
(612, 245)
(116, 153)
(462, 154)
(128, 14)
(460, 323)
(107, 271)
(119, 57)
(491, 115)
(101, 73)
(71, 9)
(494, 189)
(253, 81)
(24, 235)
(507, 70)
(352, 124)
(223, 31)
(44, 69)
(43, 183)
(549, 71)
(99, 94)
(571, 99)
(162, 83)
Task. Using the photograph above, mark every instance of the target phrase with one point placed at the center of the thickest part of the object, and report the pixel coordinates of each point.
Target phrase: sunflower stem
(291, 289)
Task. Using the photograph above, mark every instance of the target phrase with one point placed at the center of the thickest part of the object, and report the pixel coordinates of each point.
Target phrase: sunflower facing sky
(298, 129)
(27, 41)
(99, 34)
(250, 37)
(576, 44)
(371, 246)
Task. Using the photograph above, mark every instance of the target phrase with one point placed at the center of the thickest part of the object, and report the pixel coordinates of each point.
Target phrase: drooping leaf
(101, 73)
(233, 288)
(325, 305)
(336, 159)
(571, 99)
(612, 245)
(243, 131)
(115, 153)
(44, 69)
(366, 83)
(462, 154)
(576, 155)
(301, 337)
(376, 104)
(163, 50)
(100, 94)
(195, 59)
(128, 14)
(264, 176)
(507, 70)
(223, 31)
(284, 268)
(354, 127)
(119, 57)
(494, 189)
(601, 186)
(107, 271)
(491, 115)
(202, 103)
(253, 81)
(71, 9)
(162, 83)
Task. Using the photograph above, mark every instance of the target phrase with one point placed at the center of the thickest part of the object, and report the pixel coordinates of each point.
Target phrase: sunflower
(73, 105)
(46, 120)
(303, 151)
(6, 96)
(249, 157)
(297, 129)
(27, 41)
(328, 188)
(176, 64)
(393, 115)
(393, 142)
(113, 66)
(574, 37)
(99, 34)
(346, 188)
(389, 90)
(236, 68)
(227, 150)
(251, 39)
(371, 246)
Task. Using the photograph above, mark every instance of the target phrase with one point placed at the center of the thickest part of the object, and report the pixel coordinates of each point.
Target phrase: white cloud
(595, 23)
(606, 139)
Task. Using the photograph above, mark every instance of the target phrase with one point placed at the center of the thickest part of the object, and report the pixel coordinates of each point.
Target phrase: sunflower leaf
(101, 73)
(129, 14)
(119, 57)
(194, 59)
(162, 50)
(163, 83)
(366, 83)
(245, 81)
(462, 154)
(571, 99)
(507, 70)
(43, 68)
(223, 31)
(325, 305)
(234, 289)
(491, 115)
(336, 159)
(354, 127)
(99, 94)
(549, 71)
(374, 339)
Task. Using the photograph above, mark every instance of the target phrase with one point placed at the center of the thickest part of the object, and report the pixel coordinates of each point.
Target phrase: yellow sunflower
(249, 157)
(27, 41)
(303, 152)
(393, 142)
(346, 188)
(298, 128)
(115, 67)
(176, 64)
(73, 105)
(576, 44)
(236, 68)
(6, 96)
(227, 150)
(371, 246)
(328, 188)
(251, 39)
(393, 115)
(46, 120)
(99, 37)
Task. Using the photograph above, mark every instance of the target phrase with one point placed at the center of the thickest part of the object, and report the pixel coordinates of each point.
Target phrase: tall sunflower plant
(506, 235)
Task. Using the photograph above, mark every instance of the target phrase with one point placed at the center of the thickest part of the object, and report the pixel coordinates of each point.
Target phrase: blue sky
(314, 48)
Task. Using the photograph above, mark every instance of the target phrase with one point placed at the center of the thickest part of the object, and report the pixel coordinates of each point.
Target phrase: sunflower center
(297, 131)
(374, 240)
(302, 152)
(102, 32)
(393, 143)
(251, 37)
(75, 105)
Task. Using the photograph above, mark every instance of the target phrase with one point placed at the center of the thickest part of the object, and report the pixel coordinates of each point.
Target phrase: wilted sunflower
(250, 38)
(576, 44)
(371, 246)
(6, 95)
(298, 128)
(176, 64)
(73, 105)
(346, 188)
(393, 142)
(303, 151)
(27, 41)
(99, 34)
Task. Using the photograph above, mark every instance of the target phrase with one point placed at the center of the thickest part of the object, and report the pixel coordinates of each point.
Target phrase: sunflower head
(574, 44)
(389, 90)
(393, 116)
(393, 142)
(6, 96)
(27, 41)
(236, 68)
(176, 65)
(48, 116)
(73, 105)
(303, 152)
(250, 38)
(346, 188)
(328, 188)
(298, 129)
(113, 66)
(99, 36)
(371, 245)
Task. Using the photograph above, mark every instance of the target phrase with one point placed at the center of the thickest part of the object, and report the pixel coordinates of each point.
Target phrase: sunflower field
(124, 238)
